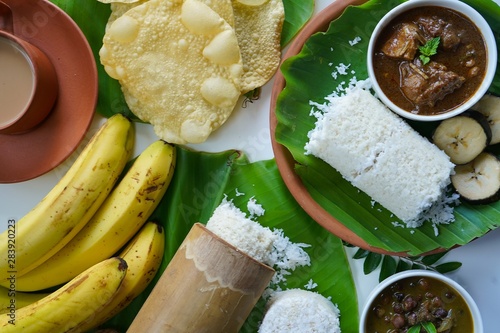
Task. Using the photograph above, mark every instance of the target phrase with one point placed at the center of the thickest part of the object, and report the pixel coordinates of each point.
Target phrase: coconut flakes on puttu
(232, 225)
(380, 154)
(300, 311)
(270, 247)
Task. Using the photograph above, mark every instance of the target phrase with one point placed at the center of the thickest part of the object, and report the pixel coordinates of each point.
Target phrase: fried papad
(222, 7)
(179, 65)
(120, 8)
(258, 29)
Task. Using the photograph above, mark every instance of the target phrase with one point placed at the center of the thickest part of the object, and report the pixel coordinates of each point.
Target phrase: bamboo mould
(209, 286)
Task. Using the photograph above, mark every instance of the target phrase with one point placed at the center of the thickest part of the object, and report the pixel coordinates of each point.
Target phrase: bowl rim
(476, 314)
(483, 28)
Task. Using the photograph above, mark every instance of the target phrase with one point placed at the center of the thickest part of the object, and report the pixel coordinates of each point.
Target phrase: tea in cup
(28, 82)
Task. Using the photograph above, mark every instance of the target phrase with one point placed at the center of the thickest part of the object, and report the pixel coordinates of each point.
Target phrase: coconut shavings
(355, 41)
(254, 208)
(270, 247)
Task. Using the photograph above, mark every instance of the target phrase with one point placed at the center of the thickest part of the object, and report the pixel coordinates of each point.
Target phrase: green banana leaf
(202, 180)
(309, 77)
(297, 13)
(92, 15)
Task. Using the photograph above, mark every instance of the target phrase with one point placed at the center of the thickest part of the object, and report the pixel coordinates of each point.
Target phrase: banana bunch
(95, 295)
(72, 305)
(63, 212)
(116, 221)
(70, 239)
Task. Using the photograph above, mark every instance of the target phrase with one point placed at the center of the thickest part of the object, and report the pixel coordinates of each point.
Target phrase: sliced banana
(478, 181)
(463, 137)
(489, 106)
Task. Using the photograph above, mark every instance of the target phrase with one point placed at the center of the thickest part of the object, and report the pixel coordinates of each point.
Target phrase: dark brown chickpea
(412, 318)
(409, 303)
(440, 313)
(398, 321)
(399, 296)
(397, 307)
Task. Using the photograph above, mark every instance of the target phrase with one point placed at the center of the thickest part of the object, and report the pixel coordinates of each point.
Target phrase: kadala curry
(414, 301)
(429, 60)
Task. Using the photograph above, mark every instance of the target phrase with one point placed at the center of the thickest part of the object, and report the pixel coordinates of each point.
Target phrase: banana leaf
(91, 16)
(297, 13)
(308, 78)
(202, 180)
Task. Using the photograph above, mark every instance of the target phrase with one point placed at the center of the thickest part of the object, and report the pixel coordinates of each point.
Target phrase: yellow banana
(143, 255)
(70, 204)
(11, 299)
(67, 308)
(120, 217)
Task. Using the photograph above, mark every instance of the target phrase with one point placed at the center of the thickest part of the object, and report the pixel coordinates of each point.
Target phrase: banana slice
(489, 106)
(478, 181)
(463, 137)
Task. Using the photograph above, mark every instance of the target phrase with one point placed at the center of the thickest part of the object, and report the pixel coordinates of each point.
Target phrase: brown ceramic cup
(28, 80)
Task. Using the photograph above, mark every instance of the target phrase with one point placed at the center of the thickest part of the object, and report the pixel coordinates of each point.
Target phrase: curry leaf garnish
(428, 327)
(429, 49)
(390, 265)
(414, 329)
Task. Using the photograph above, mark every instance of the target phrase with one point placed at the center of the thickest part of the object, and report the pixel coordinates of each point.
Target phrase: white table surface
(248, 130)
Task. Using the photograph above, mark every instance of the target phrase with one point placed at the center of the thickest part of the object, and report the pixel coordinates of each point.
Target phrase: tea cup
(28, 80)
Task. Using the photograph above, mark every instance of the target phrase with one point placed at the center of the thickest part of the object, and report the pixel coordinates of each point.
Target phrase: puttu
(380, 154)
(232, 225)
(270, 247)
(300, 311)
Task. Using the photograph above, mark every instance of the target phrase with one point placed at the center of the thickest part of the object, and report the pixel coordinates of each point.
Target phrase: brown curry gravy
(387, 69)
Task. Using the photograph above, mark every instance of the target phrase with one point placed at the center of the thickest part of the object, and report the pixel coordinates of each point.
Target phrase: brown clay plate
(332, 202)
(29, 155)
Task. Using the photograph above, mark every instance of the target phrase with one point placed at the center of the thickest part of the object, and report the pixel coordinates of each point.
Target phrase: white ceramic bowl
(467, 11)
(476, 315)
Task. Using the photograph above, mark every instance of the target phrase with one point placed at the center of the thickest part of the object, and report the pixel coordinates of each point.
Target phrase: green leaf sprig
(390, 265)
(428, 327)
(429, 49)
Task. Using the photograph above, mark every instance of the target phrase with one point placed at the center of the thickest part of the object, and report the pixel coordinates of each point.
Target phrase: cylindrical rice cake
(381, 155)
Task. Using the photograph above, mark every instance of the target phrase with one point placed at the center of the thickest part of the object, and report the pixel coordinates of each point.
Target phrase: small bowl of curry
(411, 301)
(430, 60)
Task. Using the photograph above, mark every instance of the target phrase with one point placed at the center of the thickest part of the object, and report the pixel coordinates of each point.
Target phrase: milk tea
(16, 81)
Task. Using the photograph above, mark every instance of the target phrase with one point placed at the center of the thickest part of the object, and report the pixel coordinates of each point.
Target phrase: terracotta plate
(29, 155)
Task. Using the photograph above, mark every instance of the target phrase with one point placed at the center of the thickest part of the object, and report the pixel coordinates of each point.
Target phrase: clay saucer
(29, 155)
(284, 158)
